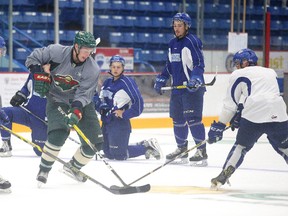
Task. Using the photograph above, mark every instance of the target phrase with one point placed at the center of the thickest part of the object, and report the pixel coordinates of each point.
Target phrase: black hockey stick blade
(211, 83)
(130, 189)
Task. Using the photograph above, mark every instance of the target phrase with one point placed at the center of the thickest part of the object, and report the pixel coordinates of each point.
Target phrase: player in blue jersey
(185, 64)
(32, 102)
(119, 101)
(263, 112)
(5, 185)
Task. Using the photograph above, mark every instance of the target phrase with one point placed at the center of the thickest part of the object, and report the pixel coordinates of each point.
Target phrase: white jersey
(258, 88)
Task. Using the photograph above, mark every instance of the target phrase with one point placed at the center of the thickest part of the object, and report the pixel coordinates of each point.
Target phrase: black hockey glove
(42, 80)
(235, 121)
(215, 133)
(104, 109)
(18, 99)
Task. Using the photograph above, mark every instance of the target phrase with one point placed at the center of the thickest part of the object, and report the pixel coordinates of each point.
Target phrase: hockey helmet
(117, 58)
(245, 54)
(85, 39)
(183, 17)
(2, 47)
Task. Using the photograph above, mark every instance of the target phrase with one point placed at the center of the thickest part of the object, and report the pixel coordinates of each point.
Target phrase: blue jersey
(122, 94)
(185, 59)
(35, 103)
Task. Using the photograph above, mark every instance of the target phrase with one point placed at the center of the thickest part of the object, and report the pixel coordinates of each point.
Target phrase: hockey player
(119, 101)
(264, 112)
(5, 185)
(185, 64)
(69, 82)
(33, 103)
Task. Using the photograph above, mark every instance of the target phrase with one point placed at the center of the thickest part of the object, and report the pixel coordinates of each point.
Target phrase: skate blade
(7, 190)
(40, 184)
(6, 154)
(215, 186)
(70, 175)
(203, 163)
(179, 161)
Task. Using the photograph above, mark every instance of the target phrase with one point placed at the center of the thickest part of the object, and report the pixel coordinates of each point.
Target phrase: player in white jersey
(264, 112)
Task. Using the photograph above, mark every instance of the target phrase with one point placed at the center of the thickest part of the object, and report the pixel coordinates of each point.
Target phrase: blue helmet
(117, 58)
(245, 54)
(183, 17)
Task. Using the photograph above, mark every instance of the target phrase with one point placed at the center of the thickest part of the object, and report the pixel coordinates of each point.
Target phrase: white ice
(259, 187)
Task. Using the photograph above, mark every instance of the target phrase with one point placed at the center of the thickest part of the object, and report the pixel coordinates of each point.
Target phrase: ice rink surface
(259, 187)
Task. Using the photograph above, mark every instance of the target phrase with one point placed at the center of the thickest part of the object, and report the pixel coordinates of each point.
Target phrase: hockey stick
(43, 121)
(143, 188)
(169, 161)
(118, 190)
(185, 86)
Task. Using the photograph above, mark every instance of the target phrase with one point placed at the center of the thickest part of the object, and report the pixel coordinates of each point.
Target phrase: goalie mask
(245, 55)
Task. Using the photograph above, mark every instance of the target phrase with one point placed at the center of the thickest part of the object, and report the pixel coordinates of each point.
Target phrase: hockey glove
(18, 99)
(4, 119)
(42, 80)
(73, 117)
(104, 108)
(235, 121)
(194, 84)
(215, 133)
(160, 82)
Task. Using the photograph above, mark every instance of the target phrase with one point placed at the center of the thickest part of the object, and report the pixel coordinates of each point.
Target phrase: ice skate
(178, 151)
(42, 178)
(72, 172)
(5, 185)
(6, 149)
(199, 159)
(222, 178)
(152, 149)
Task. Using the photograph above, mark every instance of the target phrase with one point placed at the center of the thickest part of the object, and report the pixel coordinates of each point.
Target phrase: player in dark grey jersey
(69, 80)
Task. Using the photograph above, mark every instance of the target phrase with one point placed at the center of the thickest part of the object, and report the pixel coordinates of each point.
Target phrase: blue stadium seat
(17, 17)
(159, 38)
(64, 4)
(118, 20)
(158, 6)
(172, 7)
(146, 55)
(21, 54)
(224, 24)
(276, 25)
(118, 5)
(130, 5)
(276, 41)
(210, 23)
(102, 20)
(254, 40)
(115, 37)
(102, 4)
(143, 6)
(129, 37)
(70, 35)
(144, 38)
(143, 21)
(191, 8)
(159, 22)
(41, 35)
(130, 20)
(169, 36)
(159, 55)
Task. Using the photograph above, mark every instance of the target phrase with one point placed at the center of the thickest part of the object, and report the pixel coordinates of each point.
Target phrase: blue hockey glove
(4, 119)
(42, 80)
(235, 121)
(215, 133)
(159, 83)
(104, 108)
(73, 117)
(18, 99)
(194, 83)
